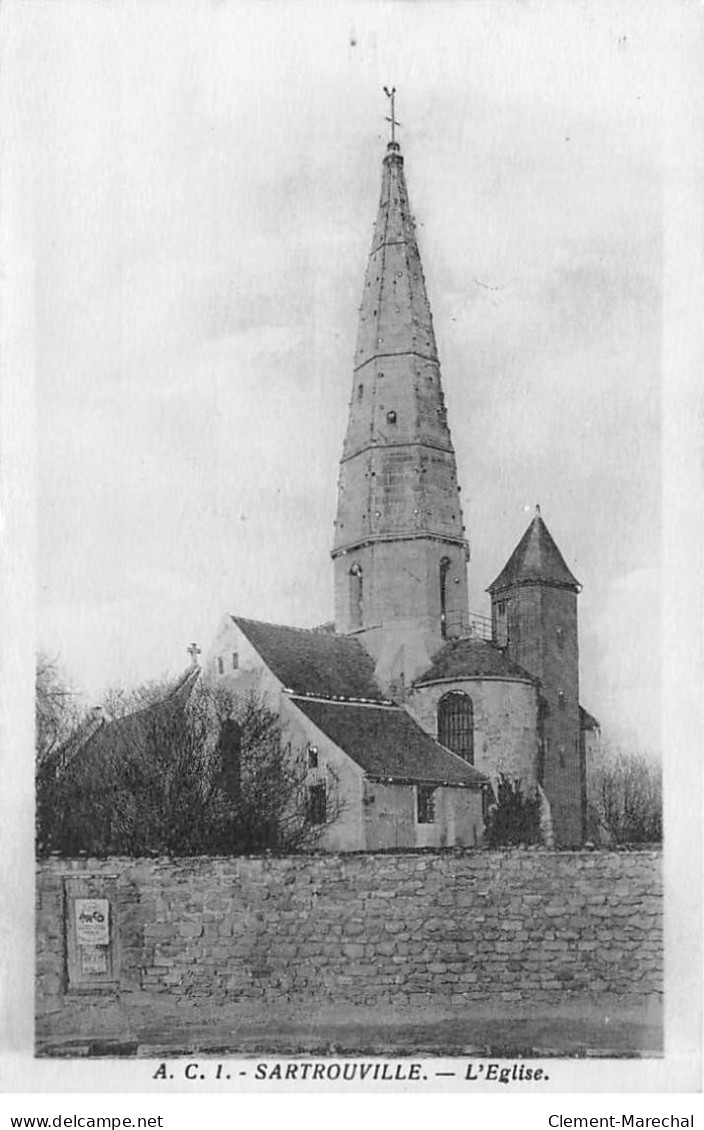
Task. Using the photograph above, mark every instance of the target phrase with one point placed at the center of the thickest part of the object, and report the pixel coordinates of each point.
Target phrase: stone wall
(394, 930)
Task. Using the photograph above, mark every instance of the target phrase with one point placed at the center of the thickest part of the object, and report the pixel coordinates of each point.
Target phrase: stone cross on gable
(194, 651)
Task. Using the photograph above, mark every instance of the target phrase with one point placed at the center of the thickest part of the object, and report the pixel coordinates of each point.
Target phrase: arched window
(456, 724)
(444, 566)
(356, 594)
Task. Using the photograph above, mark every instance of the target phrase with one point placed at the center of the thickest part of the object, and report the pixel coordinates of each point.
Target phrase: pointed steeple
(400, 549)
(396, 365)
(535, 560)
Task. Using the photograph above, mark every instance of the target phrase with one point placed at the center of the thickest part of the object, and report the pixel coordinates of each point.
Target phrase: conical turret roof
(535, 560)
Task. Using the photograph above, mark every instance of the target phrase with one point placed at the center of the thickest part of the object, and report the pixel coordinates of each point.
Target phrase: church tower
(400, 553)
(534, 621)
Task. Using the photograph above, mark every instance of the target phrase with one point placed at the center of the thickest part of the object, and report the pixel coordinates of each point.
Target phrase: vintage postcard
(348, 392)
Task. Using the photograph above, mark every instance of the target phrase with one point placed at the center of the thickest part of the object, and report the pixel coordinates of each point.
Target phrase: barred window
(317, 804)
(426, 804)
(456, 724)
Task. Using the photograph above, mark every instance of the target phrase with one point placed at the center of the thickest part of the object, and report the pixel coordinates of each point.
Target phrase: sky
(199, 189)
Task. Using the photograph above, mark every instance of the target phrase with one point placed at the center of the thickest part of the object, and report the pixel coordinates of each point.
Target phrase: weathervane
(391, 95)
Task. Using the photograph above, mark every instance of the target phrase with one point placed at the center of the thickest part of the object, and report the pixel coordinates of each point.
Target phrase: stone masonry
(539, 595)
(399, 525)
(399, 930)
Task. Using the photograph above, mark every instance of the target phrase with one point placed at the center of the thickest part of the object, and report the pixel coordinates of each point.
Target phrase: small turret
(534, 620)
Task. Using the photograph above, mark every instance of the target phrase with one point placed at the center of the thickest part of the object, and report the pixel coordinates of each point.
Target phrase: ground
(609, 1027)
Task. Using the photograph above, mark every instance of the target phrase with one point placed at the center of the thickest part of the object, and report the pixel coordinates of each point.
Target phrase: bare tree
(626, 799)
(56, 713)
(118, 701)
(272, 803)
(58, 717)
(192, 772)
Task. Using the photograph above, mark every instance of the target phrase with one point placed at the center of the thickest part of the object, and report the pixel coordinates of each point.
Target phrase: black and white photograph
(352, 652)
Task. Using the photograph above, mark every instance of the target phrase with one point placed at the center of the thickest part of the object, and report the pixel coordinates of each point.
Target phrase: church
(410, 706)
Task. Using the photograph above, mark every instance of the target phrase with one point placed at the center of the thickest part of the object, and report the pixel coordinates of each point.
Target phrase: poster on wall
(92, 922)
(94, 961)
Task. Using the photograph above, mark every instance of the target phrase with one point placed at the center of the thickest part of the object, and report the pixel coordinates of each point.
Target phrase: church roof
(314, 662)
(99, 746)
(535, 559)
(587, 721)
(387, 742)
(471, 659)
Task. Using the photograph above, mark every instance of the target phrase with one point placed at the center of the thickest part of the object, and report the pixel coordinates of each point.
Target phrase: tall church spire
(400, 550)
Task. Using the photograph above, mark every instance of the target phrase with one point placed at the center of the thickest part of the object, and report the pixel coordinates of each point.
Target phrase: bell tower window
(444, 567)
(501, 624)
(356, 583)
(456, 724)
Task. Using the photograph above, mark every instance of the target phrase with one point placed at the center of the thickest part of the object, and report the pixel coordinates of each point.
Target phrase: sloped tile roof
(386, 741)
(471, 658)
(587, 721)
(314, 662)
(110, 742)
(535, 558)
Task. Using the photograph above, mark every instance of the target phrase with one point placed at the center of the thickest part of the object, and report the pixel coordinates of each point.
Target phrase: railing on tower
(459, 623)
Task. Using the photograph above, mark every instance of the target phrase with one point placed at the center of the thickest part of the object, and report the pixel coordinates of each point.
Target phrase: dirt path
(581, 1028)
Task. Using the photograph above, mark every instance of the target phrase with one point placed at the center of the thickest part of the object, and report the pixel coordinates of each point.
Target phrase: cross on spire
(391, 95)
(194, 651)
